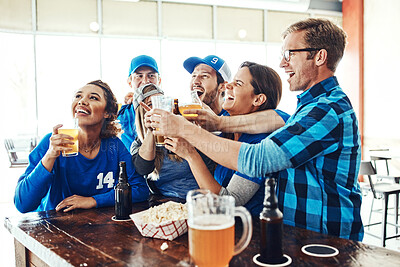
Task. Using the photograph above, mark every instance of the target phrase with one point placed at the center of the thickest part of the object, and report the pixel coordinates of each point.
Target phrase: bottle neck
(270, 199)
(176, 107)
(122, 179)
(122, 172)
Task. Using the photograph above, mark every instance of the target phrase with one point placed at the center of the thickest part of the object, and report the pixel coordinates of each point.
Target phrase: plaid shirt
(321, 191)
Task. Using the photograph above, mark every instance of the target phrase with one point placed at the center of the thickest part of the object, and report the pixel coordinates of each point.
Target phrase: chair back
(367, 169)
(9, 144)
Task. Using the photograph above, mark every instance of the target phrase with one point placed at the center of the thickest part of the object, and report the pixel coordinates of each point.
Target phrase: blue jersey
(39, 190)
(126, 117)
(176, 178)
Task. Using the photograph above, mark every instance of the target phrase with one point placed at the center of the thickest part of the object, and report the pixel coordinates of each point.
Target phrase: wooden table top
(91, 238)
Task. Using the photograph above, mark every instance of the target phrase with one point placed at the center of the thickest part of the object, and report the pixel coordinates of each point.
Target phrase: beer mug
(212, 228)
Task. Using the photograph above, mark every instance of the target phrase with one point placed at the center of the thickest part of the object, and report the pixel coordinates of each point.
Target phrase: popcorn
(170, 211)
(164, 246)
(166, 221)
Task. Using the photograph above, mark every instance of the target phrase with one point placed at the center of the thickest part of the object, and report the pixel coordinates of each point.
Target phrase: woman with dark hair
(87, 180)
(254, 88)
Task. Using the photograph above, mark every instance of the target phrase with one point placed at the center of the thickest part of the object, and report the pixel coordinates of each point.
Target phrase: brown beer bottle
(271, 223)
(176, 107)
(123, 194)
(176, 112)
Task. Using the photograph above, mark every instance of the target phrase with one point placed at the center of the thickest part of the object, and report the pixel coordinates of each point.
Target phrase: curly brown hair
(110, 127)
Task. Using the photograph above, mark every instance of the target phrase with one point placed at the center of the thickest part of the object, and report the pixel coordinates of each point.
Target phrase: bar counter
(92, 238)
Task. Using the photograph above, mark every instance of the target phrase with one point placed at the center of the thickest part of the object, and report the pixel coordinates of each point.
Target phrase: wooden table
(91, 238)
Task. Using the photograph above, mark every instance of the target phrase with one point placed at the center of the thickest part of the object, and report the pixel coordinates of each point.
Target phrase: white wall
(381, 85)
(381, 66)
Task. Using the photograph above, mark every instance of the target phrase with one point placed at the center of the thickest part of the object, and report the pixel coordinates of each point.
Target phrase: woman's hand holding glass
(59, 143)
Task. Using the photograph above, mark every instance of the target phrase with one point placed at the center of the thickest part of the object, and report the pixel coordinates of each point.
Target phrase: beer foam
(212, 222)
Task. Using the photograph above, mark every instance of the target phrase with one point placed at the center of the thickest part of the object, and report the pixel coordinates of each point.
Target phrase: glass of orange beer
(71, 129)
(165, 103)
(211, 221)
(193, 103)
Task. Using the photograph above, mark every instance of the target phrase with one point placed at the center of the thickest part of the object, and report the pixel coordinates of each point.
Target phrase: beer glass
(211, 221)
(71, 129)
(164, 103)
(193, 102)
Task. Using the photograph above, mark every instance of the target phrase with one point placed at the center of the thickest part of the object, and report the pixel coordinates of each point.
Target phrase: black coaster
(259, 263)
(319, 250)
(125, 220)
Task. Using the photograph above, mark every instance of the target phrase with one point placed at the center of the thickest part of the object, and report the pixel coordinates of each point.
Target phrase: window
(175, 79)
(127, 18)
(64, 64)
(190, 21)
(277, 22)
(17, 79)
(116, 56)
(240, 24)
(16, 15)
(66, 16)
(235, 53)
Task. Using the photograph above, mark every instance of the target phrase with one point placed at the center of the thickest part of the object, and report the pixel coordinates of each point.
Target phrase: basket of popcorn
(166, 221)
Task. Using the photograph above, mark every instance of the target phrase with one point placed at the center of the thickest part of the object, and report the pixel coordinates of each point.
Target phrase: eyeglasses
(288, 53)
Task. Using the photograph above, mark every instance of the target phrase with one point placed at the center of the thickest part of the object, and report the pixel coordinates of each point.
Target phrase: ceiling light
(94, 26)
(242, 33)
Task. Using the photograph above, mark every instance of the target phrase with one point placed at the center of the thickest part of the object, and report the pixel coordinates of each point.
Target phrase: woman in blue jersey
(166, 174)
(255, 87)
(87, 180)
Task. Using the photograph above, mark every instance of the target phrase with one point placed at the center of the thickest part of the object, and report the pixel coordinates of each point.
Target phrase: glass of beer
(193, 102)
(71, 129)
(211, 221)
(164, 103)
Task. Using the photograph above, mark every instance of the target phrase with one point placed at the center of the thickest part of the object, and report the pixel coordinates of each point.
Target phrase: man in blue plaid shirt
(320, 142)
(317, 153)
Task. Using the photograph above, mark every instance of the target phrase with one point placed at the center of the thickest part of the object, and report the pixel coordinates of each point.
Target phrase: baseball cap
(139, 96)
(217, 63)
(140, 61)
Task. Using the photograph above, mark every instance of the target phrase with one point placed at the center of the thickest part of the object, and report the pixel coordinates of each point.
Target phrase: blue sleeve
(260, 159)
(140, 191)
(34, 184)
(252, 139)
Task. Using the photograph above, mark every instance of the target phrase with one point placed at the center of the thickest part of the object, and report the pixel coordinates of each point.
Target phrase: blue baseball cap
(140, 61)
(217, 63)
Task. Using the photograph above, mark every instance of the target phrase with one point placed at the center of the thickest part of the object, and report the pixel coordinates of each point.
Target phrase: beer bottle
(271, 223)
(176, 107)
(176, 112)
(123, 195)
